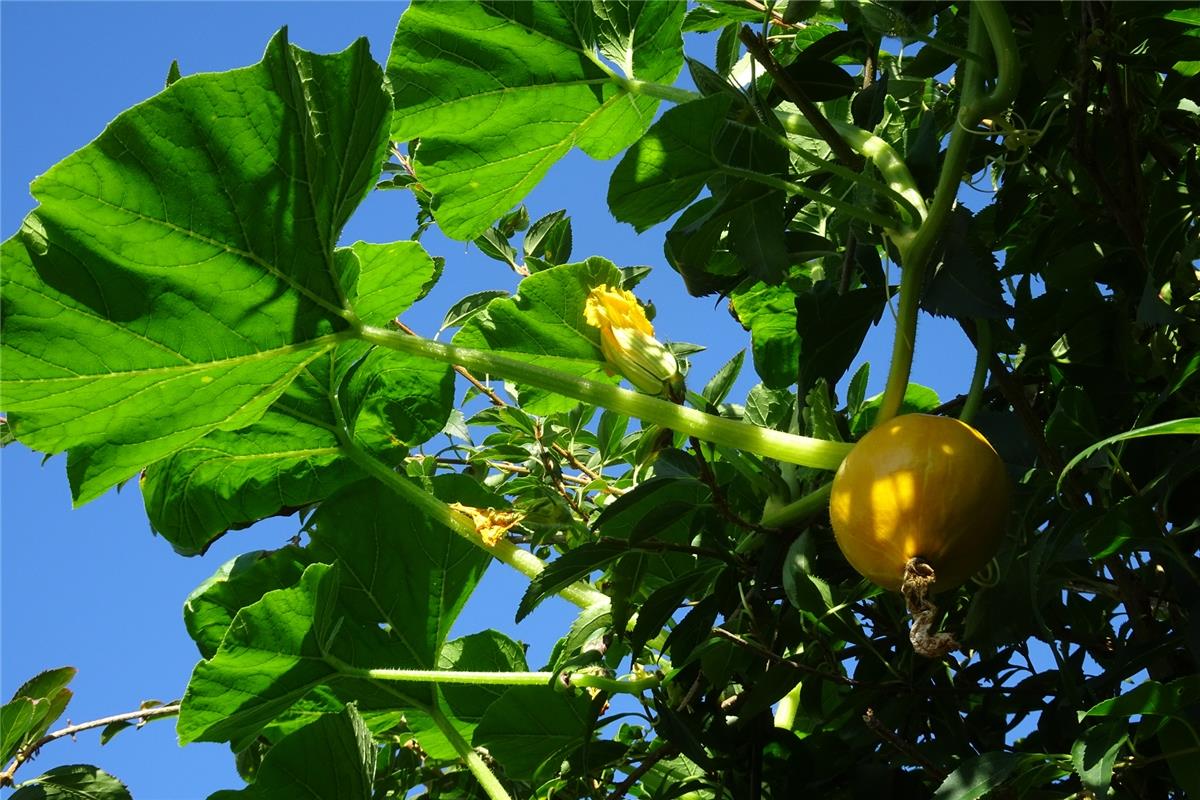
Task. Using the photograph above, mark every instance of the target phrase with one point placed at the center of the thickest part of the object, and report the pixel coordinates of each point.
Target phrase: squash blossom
(628, 343)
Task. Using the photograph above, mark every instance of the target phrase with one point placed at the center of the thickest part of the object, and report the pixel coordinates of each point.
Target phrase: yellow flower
(628, 343)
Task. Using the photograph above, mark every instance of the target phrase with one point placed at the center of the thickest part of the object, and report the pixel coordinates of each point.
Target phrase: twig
(498, 401)
(905, 747)
(27, 752)
(762, 54)
(621, 790)
(719, 502)
(778, 659)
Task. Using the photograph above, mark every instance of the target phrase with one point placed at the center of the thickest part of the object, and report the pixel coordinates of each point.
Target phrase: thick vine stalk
(989, 28)
(803, 450)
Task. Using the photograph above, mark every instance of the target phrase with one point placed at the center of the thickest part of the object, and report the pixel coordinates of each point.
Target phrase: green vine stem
(807, 505)
(503, 550)
(988, 23)
(483, 773)
(983, 358)
(574, 680)
(803, 450)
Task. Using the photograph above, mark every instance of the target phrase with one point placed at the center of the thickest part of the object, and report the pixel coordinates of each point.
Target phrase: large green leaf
(332, 758)
(497, 92)
(529, 725)
(180, 271)
(398, 583)
(295, 455)
(211, 607)
(545, 320)
(668, 166)
(399, 568)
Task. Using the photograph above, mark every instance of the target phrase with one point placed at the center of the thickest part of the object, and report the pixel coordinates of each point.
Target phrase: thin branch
(905, 747)
(621, 790)
(778, 659)
(792, 91)
(30, 750)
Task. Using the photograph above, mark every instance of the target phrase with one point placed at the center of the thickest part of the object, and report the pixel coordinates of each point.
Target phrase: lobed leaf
(179, 272)
(497, 92)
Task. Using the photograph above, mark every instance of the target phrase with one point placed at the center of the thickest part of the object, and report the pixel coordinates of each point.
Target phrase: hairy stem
(983, 358)
(807, 505)
(483, 773)
(803, 450)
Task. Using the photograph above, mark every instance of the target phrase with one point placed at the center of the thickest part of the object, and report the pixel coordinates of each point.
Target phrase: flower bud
(628, 343)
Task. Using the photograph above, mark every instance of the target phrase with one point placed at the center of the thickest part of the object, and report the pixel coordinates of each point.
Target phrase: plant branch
(983, 357)
(483, 773)
(811, 503)
(905, 747)
(778, 659)
(31, 749)
(762, 54)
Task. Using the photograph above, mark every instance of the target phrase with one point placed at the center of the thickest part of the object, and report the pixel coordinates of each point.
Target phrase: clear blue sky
(91, 587)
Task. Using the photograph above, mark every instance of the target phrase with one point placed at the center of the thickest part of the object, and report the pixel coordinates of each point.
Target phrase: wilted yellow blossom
(628, 343)
(491, 524)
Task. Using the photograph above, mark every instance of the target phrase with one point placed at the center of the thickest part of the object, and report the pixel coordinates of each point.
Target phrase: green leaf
(529, 725)
(659, 508)
(568, 568)
(769, 313)
(213, 206)
(717, 389)
(272, 655)
(498, 92)
(397, 586)
(978, 776)
(820, 80)
(295, 454)
(1094, 754)
(332, 758)
(72, 782)
(831, 328)
(918, 399)
(34, 707)
(1178, 741)
(398, 567)
(545, 320)
(211, 607)
(468, 307)
(967, 282)
(769, 408)
(1189, 426)
(1150, 697)
(549, 239)
(665, 170)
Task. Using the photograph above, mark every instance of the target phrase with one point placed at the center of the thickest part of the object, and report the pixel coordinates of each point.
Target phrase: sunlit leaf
(179, 272)
(498, 92)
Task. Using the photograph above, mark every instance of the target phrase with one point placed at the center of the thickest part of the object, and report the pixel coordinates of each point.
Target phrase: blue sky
(91, 587)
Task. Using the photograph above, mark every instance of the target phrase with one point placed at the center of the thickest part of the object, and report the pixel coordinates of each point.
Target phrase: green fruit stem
(989, 29)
